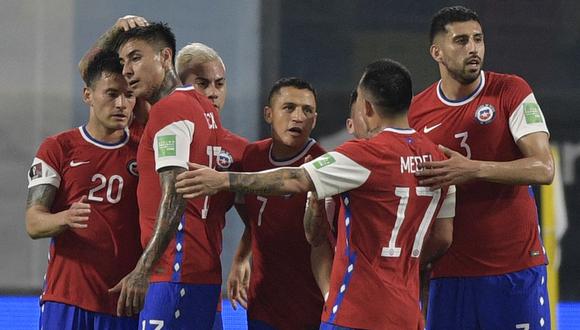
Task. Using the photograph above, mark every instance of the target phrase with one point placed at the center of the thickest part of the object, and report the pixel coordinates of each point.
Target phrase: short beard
(464, 77)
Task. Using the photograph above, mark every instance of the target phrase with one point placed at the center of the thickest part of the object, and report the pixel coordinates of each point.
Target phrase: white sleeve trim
(42, 173)
(171, 144)
(333, 173)
(447, 209)
(527, 118)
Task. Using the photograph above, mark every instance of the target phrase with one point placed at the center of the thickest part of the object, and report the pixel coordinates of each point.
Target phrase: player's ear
(268, 114)
(87, 96)
(349, 126)
(314, 120)
(435, 52)
(369, 109)
(167, 57)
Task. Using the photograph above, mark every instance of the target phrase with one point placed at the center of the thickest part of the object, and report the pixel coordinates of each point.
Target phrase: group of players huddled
(434, 185)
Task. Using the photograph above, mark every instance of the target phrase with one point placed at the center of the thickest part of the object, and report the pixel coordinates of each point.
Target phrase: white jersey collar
(469, 98)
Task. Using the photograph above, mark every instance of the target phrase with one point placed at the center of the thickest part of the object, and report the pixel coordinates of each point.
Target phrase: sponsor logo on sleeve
(166, 146)
(323, 160)
(485, 114)
(35, 171)
(532, 113)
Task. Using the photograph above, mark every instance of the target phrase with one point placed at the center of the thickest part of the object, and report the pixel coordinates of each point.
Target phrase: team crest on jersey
(485, 114)
(35, 171)
(224, 159)
(132, 167)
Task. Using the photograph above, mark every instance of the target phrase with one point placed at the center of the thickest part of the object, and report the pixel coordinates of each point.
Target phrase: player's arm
(202, 181)
(171, 207)
(535, 167)
(105, 41)
(40, 222)
(238, 280)
(436, 244)
(317, 231)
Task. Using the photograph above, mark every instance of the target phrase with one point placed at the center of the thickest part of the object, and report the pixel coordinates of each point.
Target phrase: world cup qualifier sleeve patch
(532, 113)
(166, 145)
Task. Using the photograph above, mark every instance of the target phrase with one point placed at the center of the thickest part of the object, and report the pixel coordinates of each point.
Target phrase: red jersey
(283, 292)
(85, 263)
(486, 126)
(229, 159)
(383, 220)
(182, 127)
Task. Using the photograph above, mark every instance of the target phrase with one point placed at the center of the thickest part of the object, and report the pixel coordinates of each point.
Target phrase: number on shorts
(158, 323)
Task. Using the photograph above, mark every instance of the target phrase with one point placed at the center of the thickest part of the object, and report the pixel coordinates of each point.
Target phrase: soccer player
(355, 124)
(202, 67)
(494, 133)
(82, 194)
(183, 126)
(384, 215)
(283, 293)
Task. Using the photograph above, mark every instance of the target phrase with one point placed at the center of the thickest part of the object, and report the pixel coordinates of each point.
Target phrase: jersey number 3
(392, 250)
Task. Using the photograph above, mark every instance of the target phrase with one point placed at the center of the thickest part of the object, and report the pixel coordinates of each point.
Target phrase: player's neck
(391, 122)
(141, 111)
(170, 82)
(104, 134)
(280, 151)
(455, 90)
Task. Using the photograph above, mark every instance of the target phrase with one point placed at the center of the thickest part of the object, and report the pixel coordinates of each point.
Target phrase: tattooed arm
(40, 222)
(133, 287)
(201, 180)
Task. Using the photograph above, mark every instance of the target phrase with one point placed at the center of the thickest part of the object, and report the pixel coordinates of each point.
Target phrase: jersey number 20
(109, 183)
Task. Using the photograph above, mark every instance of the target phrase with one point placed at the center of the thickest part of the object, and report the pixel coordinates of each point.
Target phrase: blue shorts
(179, 306)
(59, 316)
(218, 323)
(330, 326)
(259, 325)
(516, 300)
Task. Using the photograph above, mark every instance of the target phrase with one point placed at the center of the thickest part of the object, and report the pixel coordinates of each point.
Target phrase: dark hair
(450, 15)
(103, 61)
(353, 97)
(389, 84)
(291, 82)
(157, 33)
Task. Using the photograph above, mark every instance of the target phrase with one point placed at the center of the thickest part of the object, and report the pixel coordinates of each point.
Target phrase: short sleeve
(45, 166)
(527, 118)
(334, 173)
(171, 144)
(447, 209)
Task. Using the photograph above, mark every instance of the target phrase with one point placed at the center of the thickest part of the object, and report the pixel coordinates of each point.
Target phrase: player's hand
(200, 180)
(132, 288)
(77, 215)
(238, 283)
(453, 171)
(129, 22)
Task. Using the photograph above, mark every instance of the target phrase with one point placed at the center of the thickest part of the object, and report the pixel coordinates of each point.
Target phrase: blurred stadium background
(260, 41)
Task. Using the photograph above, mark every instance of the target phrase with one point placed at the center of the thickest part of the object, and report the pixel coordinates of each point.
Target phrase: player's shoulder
(233, 139)
(425, 95)
(64, 139)
(316, 149)
(259, 146)
(423, 102)
(505, 81)
(177, 98)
